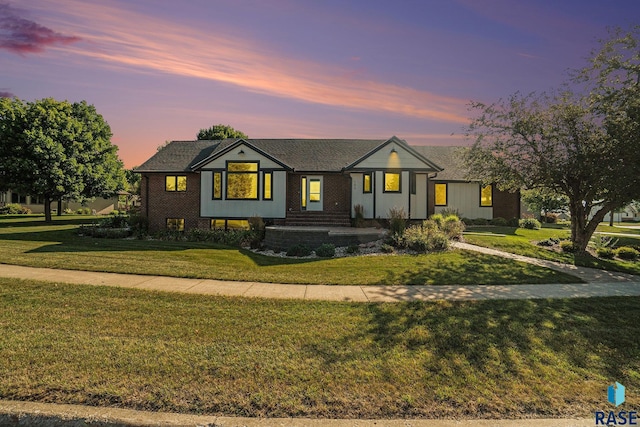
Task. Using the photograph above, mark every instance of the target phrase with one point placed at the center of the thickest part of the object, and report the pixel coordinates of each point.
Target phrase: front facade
(220, 184)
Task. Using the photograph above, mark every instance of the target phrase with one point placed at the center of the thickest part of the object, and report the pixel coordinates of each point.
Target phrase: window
(175, 224)
(392, 182)
(18, 198)
(267, 186)
(314, 190)
(175, 183)
(366, 183)
(441, 194)
(230, 224)
(303, 194)
(486, 196)
(217, 185)
(242, 180)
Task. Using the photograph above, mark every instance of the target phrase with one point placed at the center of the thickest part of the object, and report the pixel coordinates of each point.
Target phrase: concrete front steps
(325, 219)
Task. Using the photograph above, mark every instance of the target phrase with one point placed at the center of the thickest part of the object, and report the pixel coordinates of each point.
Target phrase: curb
(17, 413)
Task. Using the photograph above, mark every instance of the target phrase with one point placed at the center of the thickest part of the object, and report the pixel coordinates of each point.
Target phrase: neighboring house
(102, 206)
(220, 184)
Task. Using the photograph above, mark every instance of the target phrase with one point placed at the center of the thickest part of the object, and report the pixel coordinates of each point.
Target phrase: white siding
(465, 197)
(248, 156)
(385, 159)
(360, 198)
(419, 200)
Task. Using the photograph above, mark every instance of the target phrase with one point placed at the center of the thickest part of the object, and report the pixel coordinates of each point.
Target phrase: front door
(311, 193)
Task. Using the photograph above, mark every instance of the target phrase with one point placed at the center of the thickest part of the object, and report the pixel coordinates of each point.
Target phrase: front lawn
(523, 242)
(33, 243)
(251, 357)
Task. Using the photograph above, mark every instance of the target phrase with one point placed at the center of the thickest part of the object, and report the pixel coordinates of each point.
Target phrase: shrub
(605, 253)
(498, 222)
(550, 218)
(397, 220)
(480, 221)
(547, 243)
(299, 250)
(326, 250)
(438, 219)
(450, 211)
(116, 221)
(14, 209)
(513, 222)
(453, 227)
(568, 247)
(627, 253)
(353, 249)
(115, 212)
(530, 224)
(139, 225)
(387, 249)
(425, 239)
(601, 242)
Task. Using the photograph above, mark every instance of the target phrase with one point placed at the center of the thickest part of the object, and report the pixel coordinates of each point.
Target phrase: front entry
(311, 194)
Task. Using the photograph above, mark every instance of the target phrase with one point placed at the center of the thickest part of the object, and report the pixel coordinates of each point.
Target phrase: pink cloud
(125, 38)
(20, 35)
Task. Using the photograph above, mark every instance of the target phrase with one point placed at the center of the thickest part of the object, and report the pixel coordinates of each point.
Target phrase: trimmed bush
(513, 222)
(546, 243)
(627, 253)
(299, 250)
(326, 250)
(480, 221)
(438, 219)
(530, 224)
(424, 239)
(605, 253)
(551, 218)
(568, 247)
(498, 222)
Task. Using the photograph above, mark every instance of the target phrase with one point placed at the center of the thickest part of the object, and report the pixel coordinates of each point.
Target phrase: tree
(586, 148)
(55, 149)
(220, 132)
(543, 201)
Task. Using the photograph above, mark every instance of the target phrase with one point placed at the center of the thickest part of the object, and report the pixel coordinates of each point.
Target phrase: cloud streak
(20, 35)
(133, 41)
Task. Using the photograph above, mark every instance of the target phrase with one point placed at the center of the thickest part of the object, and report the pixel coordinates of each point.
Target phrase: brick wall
(506, 205)
(336, 192)
(158, 204)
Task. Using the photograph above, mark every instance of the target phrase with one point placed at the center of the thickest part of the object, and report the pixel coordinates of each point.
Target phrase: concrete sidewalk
(13, 413)
(598, 283)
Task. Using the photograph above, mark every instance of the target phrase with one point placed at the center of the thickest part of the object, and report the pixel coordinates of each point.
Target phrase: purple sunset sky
(161, 70)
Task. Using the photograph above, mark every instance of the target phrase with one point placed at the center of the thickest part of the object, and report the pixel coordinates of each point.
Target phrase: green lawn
(251, 357)
(521, 241)
(30, 242)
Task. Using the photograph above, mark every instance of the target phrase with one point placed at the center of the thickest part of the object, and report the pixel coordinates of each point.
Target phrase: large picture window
(242, 180)
(441, 194)
(392, 182)
(175, 183)
(486, 196)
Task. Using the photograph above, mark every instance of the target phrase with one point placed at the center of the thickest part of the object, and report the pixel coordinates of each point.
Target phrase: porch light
(241, 152)
(393, 151)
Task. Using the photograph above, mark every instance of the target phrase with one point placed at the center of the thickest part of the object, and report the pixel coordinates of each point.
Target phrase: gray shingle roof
(303, 155)
(448, 158)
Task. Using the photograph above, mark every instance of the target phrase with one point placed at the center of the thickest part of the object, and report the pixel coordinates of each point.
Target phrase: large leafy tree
(220, 132)
(586, 147)
(56, 149)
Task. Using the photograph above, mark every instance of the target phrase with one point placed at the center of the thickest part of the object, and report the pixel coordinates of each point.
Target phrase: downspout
(146, 195)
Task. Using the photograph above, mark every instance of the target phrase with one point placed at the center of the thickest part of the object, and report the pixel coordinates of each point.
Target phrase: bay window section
(242, 181)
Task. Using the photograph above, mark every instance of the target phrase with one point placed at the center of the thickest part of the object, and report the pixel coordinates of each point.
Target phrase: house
(220, 184)
(102, 206)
